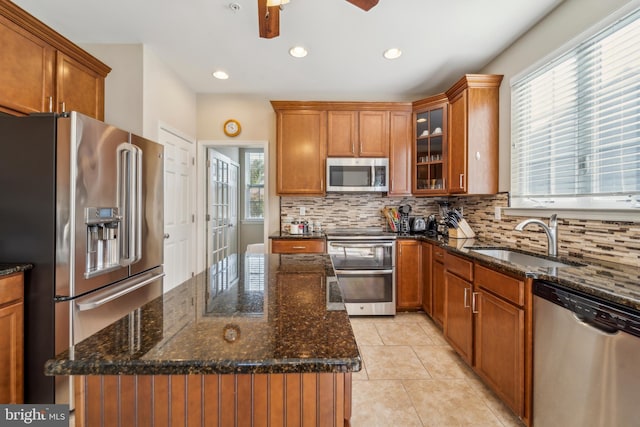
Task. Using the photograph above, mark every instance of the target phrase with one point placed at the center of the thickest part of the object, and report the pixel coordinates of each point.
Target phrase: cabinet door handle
(51, 104)
(353, 148)
(461, 180)
(474, 303)
(64, 108)
(466, 297)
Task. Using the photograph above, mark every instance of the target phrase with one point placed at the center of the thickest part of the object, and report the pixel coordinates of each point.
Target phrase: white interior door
(179, 221)
(222, 221)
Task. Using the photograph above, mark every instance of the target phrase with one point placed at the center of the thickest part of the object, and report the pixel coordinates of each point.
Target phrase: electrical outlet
(498, 213)
(303, 211)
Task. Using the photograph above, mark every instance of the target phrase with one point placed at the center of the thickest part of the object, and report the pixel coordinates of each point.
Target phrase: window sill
(626, 215)
(252, 221)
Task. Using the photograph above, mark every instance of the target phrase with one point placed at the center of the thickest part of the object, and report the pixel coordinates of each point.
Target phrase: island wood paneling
(307, 399)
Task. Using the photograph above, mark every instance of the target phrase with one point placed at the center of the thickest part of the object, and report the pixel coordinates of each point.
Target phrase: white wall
(568, 20)
(123, 85)
(166, 99)
(141, 91)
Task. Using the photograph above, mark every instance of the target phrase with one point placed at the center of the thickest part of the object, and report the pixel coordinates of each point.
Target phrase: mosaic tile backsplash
(614, 241)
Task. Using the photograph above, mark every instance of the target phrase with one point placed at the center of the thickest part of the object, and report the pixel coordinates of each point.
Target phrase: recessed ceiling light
(392, 53)
(220, 75)
(298, 52)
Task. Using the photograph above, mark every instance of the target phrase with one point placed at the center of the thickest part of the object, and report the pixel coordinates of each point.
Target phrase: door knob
(166, 235)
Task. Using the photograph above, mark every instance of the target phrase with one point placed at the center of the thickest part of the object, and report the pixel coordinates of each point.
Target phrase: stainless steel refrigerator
(83, 202)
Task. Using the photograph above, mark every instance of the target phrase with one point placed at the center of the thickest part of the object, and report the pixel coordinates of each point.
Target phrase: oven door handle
(360, 245)
(367, 272)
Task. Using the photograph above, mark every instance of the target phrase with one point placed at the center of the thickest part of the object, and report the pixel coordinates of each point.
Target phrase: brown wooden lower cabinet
(12, 338)
(499, 348)
(298, 246)
(458, 316)
(427, 288)
(296, 399)
(437, 285)
(408, 275)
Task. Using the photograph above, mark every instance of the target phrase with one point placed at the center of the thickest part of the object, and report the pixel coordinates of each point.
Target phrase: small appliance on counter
(404, 211)
(432, 225)
(418, 224)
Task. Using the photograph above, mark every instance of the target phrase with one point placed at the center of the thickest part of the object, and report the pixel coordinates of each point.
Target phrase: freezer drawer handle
(91, 303)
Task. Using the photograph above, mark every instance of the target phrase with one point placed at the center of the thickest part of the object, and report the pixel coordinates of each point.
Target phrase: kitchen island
(275, 346)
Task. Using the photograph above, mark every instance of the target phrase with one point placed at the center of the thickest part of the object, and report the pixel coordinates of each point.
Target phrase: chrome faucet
(551, 230)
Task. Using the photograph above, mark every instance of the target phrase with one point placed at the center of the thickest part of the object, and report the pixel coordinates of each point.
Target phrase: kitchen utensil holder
(462, 231)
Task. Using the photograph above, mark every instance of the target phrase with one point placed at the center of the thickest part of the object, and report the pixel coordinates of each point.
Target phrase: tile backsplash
(615, 241)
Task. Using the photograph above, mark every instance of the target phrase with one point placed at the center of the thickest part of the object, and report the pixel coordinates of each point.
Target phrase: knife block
(462, 231)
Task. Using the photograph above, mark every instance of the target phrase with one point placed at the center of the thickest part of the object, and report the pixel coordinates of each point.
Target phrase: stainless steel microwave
(357, 174)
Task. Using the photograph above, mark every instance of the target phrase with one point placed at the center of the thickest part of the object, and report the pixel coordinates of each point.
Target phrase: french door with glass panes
(222, 220)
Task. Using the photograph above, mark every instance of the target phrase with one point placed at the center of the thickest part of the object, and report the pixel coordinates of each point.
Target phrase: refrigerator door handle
(136, 212)
(130, 202)
(101, 298)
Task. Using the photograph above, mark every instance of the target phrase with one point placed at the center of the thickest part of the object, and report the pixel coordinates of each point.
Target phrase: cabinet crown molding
(340, 105)
(474, 81)
(432, 100)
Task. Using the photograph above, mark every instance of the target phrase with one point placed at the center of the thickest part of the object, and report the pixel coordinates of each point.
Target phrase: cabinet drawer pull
(474, 303)
(466, 298)
(299, 247)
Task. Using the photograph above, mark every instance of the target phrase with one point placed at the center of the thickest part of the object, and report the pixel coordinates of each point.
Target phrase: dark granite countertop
(10, 268)
(617, 283)
(279, 318)
(313, 235)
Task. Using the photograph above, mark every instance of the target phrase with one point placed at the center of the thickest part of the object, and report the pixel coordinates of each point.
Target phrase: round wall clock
(232, 127)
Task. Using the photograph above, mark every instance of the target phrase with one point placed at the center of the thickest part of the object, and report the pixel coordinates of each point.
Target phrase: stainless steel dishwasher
(586, 360)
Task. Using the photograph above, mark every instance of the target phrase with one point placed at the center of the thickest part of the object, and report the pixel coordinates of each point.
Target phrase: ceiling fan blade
(268, 20)
(364, 4)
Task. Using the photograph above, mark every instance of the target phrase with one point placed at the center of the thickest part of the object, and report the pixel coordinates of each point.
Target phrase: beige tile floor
(412, 377)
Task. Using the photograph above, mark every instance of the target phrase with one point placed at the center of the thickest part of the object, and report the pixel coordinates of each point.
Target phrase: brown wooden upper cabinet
(473, 134)
(45, 72)
(400, 142)
(309, 132)
(300, 151)
(358, 133)
(430, 146)
(79, 88)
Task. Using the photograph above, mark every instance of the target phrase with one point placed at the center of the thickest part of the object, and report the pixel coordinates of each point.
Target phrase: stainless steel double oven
(364, 261)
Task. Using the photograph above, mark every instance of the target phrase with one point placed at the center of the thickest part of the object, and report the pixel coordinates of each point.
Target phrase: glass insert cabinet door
(430, 153)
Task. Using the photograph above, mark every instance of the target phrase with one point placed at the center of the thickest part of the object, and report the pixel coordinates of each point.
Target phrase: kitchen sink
(520, 258)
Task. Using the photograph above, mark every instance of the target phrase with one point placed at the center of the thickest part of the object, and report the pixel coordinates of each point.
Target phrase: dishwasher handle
(600, 327)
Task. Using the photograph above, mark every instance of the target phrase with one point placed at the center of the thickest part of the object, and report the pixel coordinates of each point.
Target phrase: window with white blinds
(575, 125)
